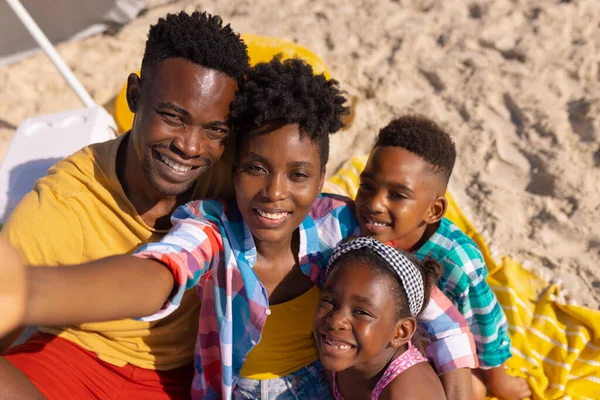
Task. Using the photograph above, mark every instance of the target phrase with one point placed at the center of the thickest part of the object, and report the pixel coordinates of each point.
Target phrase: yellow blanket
(555, 346)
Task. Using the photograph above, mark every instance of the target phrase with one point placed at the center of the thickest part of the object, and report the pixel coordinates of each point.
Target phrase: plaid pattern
(411, 278)
(452, 344)
(463, 281)
(211, 249)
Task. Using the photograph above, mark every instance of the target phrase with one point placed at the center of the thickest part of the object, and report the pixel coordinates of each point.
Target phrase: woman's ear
(404, 331)
(133, 93)
(322, 180)
(437, 209)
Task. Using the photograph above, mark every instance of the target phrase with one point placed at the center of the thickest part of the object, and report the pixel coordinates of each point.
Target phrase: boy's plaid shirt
(463, 281)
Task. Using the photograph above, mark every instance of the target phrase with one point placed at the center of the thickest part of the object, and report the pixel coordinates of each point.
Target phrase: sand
(516, 82)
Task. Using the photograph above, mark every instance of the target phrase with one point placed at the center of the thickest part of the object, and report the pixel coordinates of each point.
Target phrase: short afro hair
(279, 93)
(423, 137)
(199, 38)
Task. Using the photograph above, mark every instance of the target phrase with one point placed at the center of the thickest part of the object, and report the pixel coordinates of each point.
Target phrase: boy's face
(277, 176)
(397, 198)
(180, 124)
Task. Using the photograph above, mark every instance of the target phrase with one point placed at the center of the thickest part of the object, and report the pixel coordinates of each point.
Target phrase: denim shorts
(307, 383)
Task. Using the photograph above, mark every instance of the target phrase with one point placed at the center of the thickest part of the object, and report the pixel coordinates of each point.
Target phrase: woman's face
(277, 176)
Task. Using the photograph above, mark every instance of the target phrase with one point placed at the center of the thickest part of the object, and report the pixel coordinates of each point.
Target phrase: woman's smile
(271, 218)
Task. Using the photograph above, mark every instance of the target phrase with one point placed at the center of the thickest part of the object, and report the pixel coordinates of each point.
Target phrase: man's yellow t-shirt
(78, 213)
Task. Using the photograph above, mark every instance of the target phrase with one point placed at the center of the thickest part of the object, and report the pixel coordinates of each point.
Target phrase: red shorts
(61, 369)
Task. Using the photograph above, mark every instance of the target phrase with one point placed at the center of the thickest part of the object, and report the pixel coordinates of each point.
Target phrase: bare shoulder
(418, 382)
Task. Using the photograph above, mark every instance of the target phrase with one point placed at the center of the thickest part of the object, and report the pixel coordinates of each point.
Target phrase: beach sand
(517, 83)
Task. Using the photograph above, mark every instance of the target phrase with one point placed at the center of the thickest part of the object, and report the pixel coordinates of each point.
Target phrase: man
(110, 198)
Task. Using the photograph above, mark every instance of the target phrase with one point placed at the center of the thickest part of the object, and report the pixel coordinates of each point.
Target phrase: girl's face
(355, 324)
(277, 176)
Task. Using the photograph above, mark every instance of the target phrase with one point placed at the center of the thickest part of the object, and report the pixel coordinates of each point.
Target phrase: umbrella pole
(56, 59)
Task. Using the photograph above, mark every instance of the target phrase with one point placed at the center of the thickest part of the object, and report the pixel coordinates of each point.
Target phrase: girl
(365, 324)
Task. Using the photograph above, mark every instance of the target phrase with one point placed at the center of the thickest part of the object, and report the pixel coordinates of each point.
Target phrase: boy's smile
(373, 224)
(398, 197)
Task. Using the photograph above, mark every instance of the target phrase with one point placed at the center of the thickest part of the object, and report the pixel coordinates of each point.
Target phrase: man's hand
(13, 288)
(108, 289)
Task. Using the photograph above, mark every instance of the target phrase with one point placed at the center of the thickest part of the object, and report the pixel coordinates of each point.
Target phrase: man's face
(180, 123)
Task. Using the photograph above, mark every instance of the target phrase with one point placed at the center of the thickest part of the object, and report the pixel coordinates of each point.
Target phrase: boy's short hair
(282, 92)
(199, 38)
(423, 137)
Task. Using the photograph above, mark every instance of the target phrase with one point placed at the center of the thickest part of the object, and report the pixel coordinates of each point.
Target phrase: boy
(401, 201)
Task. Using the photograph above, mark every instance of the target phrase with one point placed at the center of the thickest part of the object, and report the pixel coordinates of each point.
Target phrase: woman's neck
(275, 250)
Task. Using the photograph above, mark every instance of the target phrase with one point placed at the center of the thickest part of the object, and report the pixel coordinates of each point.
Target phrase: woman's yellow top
(287, 342)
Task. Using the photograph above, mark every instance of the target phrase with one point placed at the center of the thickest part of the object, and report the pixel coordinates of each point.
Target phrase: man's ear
(404, 331)
(437, 209)
(134, 91)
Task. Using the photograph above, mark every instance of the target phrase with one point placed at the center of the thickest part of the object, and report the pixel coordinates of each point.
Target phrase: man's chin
(171, 190)
(167, 185)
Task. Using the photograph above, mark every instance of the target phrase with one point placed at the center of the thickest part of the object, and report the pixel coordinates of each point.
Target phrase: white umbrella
(41, 141)
(60, 20)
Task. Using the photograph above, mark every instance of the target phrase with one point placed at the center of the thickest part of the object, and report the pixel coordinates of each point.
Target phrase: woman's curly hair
(285, 92)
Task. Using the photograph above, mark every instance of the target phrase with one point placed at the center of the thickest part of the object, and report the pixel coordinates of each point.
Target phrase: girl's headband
(411, 278)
